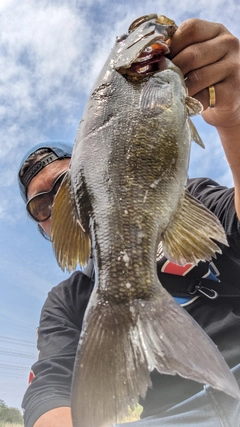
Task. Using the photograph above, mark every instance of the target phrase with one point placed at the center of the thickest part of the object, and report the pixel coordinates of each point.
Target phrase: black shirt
(62, 317)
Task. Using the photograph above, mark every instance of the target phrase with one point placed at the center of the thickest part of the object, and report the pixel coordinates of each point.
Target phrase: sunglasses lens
(40, 206)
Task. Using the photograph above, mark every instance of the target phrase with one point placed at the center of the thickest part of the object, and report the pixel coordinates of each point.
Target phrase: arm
(231, 144)
(57, 417)
(47, 399)
(208, 54)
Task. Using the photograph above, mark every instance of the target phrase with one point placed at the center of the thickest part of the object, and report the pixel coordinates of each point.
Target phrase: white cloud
(38, 50)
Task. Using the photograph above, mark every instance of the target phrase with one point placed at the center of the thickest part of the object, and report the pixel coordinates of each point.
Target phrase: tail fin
(121, 344)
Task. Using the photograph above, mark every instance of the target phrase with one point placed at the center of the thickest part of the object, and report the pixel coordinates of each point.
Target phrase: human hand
(208, 54)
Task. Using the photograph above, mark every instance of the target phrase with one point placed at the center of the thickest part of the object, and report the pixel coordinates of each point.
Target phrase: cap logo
(39, 165)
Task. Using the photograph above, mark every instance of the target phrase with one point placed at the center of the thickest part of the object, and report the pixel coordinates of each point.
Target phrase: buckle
(207, 292)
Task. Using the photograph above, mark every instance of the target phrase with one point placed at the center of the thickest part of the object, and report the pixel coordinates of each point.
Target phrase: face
(44, 181)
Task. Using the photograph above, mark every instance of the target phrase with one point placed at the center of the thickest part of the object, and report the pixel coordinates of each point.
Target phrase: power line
(7, 366)
(7, 384)
(15, 353)
(17, 325)
(13, 376)
(17, 341)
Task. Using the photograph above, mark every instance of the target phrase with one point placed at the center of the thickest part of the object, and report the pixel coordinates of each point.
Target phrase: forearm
(230, 138)
(58, 417)
(209, 55)
(47, 399)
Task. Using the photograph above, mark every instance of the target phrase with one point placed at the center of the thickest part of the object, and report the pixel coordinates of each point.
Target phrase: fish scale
(123, 196)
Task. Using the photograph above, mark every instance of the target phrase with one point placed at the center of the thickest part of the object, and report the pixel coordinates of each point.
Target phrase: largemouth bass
(124, 194)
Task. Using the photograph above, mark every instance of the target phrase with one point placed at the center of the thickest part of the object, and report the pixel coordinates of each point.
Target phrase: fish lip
(141, 20)
(148, 60)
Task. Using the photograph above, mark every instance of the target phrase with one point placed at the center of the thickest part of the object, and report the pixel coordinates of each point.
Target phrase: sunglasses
(39, 207)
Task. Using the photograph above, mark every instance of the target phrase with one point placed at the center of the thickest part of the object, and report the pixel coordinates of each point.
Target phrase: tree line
(9, 414)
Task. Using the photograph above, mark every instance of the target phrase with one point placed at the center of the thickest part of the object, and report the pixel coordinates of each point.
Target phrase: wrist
(225, 119)
(229, 134)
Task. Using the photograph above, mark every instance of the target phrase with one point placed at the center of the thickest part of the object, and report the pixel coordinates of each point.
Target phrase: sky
(51, 51)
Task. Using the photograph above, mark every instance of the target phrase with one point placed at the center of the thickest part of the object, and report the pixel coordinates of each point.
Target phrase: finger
(193, 31)
(219, 115)
(203, 53)
(204, 95)
(202, 78)
(224, 100)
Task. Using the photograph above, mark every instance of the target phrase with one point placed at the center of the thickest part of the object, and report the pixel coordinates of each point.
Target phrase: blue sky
(50, 54)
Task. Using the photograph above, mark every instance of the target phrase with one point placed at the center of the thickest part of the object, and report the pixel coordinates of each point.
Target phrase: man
(208, 56)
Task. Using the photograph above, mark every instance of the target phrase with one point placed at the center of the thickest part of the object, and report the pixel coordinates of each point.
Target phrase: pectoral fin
(71, 243)
(189, 236)
(194, 107)
(194, 134)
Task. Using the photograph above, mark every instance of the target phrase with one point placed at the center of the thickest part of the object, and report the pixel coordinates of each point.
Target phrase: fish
(124, 196)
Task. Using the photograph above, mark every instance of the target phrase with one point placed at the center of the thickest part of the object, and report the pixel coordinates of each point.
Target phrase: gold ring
(212, 96)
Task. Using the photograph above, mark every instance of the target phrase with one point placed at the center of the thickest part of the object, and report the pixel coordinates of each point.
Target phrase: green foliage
(2, 405)
(4, 424)
(9, 415)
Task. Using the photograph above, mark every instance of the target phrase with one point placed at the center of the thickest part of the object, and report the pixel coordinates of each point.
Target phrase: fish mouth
(148, 61)
(141, 51)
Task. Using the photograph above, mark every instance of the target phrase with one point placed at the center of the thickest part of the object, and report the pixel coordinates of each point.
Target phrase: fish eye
(140, 20)
(121, 38)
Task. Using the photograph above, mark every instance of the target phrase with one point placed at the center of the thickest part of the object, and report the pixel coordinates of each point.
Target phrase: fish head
(139, 52)
(140, 56)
